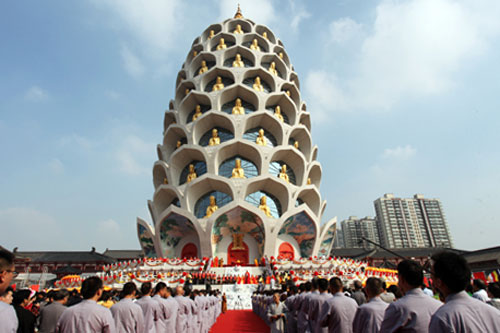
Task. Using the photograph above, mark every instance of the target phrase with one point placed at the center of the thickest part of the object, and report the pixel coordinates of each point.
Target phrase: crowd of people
(454, 304)
(150, 309)
(322, 305)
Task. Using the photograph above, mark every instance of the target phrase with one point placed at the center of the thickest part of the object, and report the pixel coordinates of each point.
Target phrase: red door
(237, 256)
(286, 251)
(189, 251)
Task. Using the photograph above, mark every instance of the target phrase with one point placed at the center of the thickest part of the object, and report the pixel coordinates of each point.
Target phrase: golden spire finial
(238, 13)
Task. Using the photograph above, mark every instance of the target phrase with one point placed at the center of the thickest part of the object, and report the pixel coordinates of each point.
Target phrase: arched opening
(237, 254)
(221, 199)
(200, 168)
(272, 202)
(226, 168)
(189, 251)
(286, 251)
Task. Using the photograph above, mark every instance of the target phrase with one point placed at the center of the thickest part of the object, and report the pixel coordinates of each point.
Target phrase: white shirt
(481, 295)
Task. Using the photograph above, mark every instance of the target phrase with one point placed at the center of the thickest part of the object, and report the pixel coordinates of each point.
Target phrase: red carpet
(239, 321)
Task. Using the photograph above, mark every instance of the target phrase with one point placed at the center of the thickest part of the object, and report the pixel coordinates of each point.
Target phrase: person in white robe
(150, 308)
(338, 311)
(276, 314)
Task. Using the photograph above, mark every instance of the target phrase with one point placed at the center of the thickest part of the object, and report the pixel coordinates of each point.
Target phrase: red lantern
(184, 273)
(292, 273)
(200, 268)
(295, 279)
(181, 281)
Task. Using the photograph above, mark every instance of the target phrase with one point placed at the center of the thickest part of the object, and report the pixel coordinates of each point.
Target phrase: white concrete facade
(177, 208)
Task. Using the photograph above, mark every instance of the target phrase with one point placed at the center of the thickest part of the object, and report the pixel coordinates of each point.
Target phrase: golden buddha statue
(296, 144)
(195, 53)
(165, 181)
(211, 34)
(255, 45)
(192, 173)
(261, 139)
(288, 93)
(277, 113)
(238, 62)
(263, 206)
(283, 175)
(309, 181)
(197, 112)
(257, 85)
(221, 45)
(272, 68)
(238, 171)
(218, 84)
(187, 91)
(215, 139)
(238, 30)
(281, 55)
(204, 67)
(264, 34)
(212, 207)
(238, 108)
(178, 144)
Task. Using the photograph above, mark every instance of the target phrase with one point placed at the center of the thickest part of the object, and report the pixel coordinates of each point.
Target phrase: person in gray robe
(192, 317)
(87, 316)
(460, 313)
(291, 319)
(50, 314)
(369, 316)
(338, 312)
(174, 309)
(358, 294)
(164, 311)
(128, 316)
(315, 304)
(303, 324)
(150, 308)
(183, 311)
(412, 312)
(276, 314)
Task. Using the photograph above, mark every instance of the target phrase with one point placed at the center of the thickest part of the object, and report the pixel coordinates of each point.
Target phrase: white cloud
(34, 227)
(261, 9)
(324, 94)
(132, 63)
(415, 49)
(75, 141)
(114, 95)
(153, 23)
(400, 152)
(56, 166)
(344, 29)
(134, 156)
(36, 94)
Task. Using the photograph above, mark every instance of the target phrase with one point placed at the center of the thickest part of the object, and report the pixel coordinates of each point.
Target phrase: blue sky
(403, 97)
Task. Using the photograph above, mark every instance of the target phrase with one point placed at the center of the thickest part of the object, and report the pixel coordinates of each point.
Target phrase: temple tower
(237, 175)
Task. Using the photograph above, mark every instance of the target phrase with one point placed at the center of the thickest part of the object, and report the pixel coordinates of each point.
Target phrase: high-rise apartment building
(353, 229)
(411, 222)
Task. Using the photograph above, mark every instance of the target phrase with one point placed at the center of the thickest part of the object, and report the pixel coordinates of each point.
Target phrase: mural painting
(238, 220)
(302, 228)
(327, 242)
(172, 230)
(146, 240)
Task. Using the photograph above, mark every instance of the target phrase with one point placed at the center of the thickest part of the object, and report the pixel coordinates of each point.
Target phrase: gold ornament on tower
(281, 55)
(165, 181)
(195, 53)
(203, 68)
(238, 108)
(283, 175)
(215, 139)
(261, 139)
(211, 35)
(238, 30)
(263, 206)
(212, 207)
(178, 145)
(221, 45)
(264, 34)
(238, 14)
(296, 144)
(192, 173)
(238, 171)
(218, 84)
(272, 68)
(257, 85)
(277, 113)
(237, 61)
(197, 112)
(255, 45)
